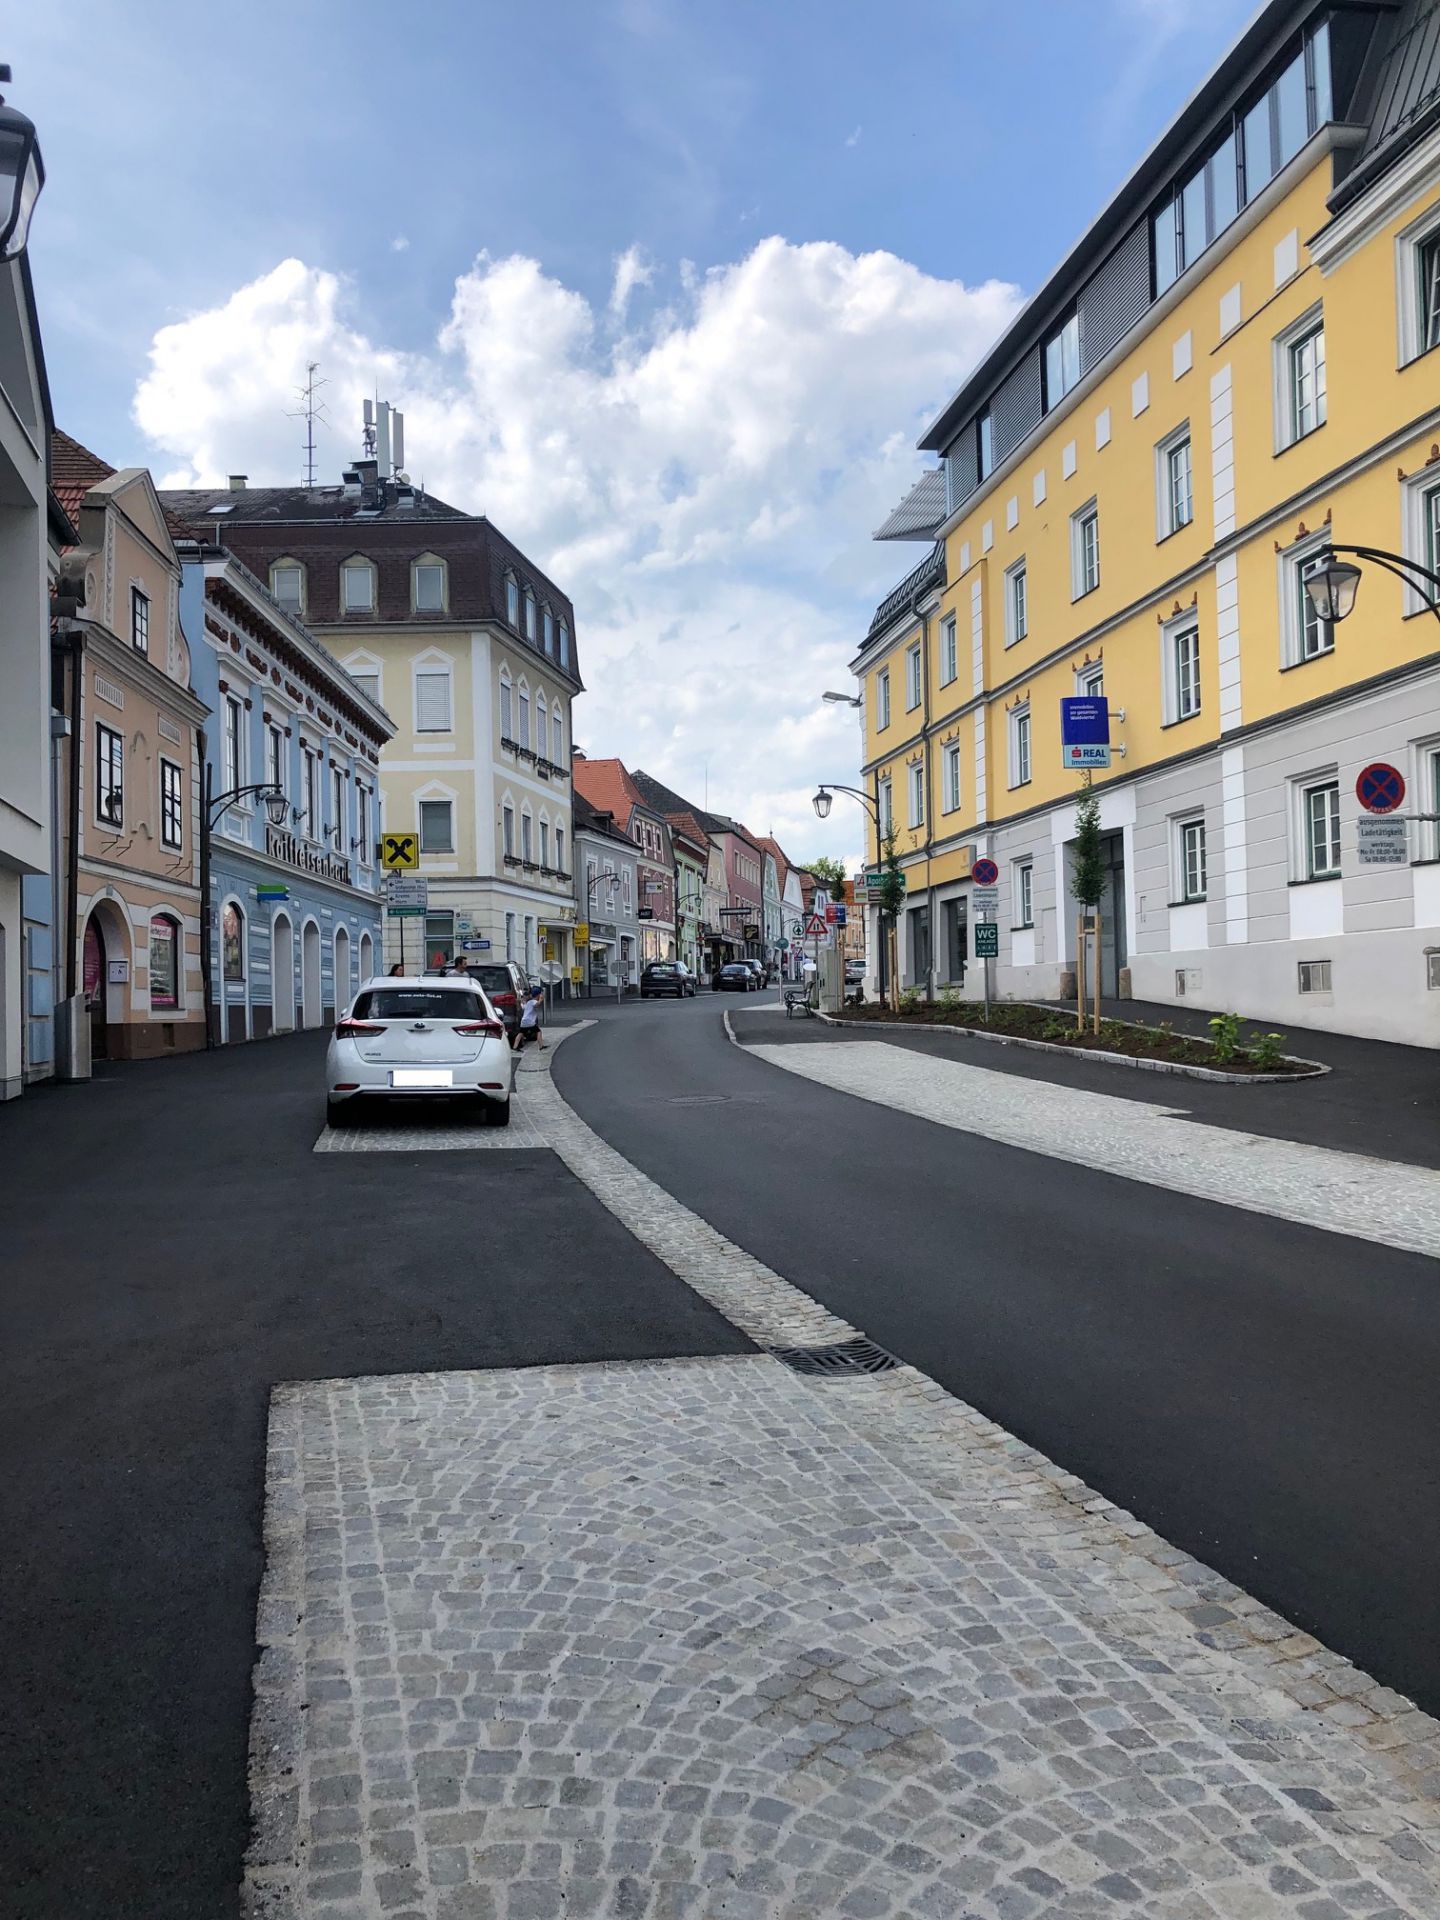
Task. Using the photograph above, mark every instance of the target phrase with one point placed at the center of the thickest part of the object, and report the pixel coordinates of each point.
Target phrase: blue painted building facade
(294, 910)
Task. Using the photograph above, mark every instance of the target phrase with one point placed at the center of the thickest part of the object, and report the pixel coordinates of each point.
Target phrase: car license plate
(421, 1077)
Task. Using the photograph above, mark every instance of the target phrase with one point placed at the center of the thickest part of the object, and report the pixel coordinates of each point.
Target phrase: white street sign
(1382, 842)
(985, 899)
(406, 890)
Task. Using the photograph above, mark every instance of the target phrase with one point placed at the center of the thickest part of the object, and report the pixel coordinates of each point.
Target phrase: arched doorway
(342, 970)
(310, 999)
(367, 957)
(105, 951)
(94, 972)
(282, 973)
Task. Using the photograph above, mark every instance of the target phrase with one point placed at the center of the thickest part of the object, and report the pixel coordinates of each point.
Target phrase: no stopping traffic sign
(1380, 787)
(984, 873)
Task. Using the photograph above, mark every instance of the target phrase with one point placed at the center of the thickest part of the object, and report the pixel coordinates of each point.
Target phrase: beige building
(127, 831)
(470, 649)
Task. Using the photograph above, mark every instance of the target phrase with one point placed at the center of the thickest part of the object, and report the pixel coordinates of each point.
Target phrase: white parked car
(419, 1038)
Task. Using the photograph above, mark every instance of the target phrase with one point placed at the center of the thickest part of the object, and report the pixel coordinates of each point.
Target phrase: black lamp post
(22, 175)
(277, 809)
(822, 803)
(1334, 584)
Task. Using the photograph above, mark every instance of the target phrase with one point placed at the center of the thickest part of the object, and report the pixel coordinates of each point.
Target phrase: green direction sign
(405, 913)
(783, 946)
(987, 939)
(875, 877)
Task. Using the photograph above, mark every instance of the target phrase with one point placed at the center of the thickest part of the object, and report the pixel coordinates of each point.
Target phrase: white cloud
(853, 139)
(704, 488)
(400, 244)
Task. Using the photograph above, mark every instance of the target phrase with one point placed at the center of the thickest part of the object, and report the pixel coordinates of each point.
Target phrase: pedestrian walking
(530, 1016)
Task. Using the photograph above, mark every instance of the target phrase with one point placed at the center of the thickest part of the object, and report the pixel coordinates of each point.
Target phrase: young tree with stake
(1087, 884)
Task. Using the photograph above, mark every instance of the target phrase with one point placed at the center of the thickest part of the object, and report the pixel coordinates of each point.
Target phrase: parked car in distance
(854, 972)
(736, 976)
(667, 976)
(757, 967)
(503, 984)
(427, 1037)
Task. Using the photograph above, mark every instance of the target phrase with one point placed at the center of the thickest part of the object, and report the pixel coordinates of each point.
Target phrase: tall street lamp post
(822, 803)
(277, 807)
(612, 880)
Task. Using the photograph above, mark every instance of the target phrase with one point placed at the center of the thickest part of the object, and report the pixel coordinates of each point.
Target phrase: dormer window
(529, 614)
(564, 644)
(287, 585)
(357, 587)
(547, 629)
(427, 584)
(512, 601)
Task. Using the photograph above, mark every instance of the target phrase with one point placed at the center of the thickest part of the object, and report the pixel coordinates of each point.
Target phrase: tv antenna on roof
(312, 412)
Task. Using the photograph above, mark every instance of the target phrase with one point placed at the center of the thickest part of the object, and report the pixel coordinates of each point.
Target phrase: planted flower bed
(1228, 1052)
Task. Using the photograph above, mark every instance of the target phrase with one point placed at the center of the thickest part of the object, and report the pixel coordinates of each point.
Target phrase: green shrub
(910, 1000)
(1226, 1030)
(1267, 1052)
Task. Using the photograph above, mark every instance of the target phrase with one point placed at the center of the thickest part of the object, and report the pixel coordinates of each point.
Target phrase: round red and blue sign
(984, 873)
(1380, 788)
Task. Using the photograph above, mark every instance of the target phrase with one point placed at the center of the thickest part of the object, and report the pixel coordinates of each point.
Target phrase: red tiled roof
(608, 787)
(74, 471)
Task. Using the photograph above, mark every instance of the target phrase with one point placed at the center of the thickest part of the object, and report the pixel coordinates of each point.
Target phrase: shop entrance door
(93, 954)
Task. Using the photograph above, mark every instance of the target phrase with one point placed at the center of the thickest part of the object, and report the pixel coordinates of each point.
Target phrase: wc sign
(1085, 732)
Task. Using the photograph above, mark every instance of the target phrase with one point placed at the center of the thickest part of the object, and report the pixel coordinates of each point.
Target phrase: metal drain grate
(845, 1358)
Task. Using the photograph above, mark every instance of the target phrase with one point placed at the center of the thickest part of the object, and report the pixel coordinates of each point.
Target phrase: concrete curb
(1087, 1053)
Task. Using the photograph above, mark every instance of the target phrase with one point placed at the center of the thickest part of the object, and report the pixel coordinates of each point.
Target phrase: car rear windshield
(493, 979)
(736, 966)
(418, 1003)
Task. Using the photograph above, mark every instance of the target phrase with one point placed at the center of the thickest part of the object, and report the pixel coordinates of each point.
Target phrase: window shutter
(432, 702)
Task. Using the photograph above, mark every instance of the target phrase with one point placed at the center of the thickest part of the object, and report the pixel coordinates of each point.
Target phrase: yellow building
(1236, 367)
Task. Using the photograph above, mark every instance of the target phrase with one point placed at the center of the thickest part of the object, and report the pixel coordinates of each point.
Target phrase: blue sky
(937, 149)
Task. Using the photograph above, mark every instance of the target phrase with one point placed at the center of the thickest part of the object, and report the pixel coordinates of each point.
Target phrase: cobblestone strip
(776, 1313)
(706, 1638)
(378, 1133)
(1369, 1199)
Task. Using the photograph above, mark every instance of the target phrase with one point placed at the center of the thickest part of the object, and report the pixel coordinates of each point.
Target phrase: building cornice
(1360, 222)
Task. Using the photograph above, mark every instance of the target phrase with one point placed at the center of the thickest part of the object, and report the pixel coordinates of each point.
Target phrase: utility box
(72, 1038)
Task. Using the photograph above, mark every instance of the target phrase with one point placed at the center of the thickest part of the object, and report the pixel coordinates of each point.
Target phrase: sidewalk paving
(713, 1637)
(1378, 1099)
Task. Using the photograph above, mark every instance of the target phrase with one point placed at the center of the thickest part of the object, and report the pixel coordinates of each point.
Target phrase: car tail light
(502, 1000)
(352, 1029)
(490, 1086)
(346, 1086)
(494, 1029)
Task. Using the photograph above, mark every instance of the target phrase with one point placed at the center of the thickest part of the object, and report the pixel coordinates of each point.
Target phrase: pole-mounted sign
(1085, 732)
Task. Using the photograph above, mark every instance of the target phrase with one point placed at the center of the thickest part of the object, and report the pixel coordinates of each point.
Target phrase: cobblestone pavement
(711, 1638)
(708, 1637)
(385, 1133)
(1379, 1200)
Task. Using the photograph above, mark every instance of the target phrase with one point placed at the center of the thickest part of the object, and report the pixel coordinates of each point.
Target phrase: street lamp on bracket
(1333, 585)
(22, 175)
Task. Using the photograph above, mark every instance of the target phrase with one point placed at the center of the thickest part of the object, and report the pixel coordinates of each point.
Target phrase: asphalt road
(1263, 1394)
(172, 1248)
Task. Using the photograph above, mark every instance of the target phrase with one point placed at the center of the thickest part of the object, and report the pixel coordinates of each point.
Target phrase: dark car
(736, 977)
(503, 985)
(762, 977)
(666, 976)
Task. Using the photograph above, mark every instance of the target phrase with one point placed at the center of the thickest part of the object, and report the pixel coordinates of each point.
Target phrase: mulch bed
(1058, 1028)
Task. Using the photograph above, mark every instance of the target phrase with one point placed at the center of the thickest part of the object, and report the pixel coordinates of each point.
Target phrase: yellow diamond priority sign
(399, 852)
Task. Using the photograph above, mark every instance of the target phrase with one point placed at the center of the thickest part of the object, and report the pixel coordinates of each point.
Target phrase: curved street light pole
(217, 805)
(871, 804)
(1333, 584)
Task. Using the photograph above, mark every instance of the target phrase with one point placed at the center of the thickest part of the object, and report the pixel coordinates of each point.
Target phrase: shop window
(164, 964)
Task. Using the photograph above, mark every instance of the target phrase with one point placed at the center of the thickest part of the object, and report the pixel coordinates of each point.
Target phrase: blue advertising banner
(1085, 731)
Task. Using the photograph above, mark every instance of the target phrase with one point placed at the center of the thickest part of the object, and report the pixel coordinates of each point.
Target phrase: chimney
(237, 482)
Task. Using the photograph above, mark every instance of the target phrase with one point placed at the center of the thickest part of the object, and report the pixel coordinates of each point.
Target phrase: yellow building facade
(1235, 369)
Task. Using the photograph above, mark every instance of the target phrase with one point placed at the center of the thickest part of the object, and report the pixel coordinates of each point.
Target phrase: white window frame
(522, 713)
(364, 827)
(1081, 548)
(1090, 680)
(512, 601)
(1024, 893)
(232, 744)
(951, 779)
(276, 757)
(337, 805)
(531, 606)
(1302, 786)
(429, 668)
(882, 699)
(449, 806)
(1017, 602)
(169, 766)
(547, 626)
(1167, 520)
(139, 619)
(286, 564)
(1182, 845)
(559, 847)
(557, 735)
(356, 563)
(1181, 673)
(1422, 529)
(507, 706)
(309, 790)
(544, 841)
(428, 561)
(564, 643)
(507, 829)
(914, 678)
(1297, 615)
(949, 649)
(886, 798)
(527, 836)
(1409, 295)
(916, 785)
(1286, 401)
(1021, 744)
